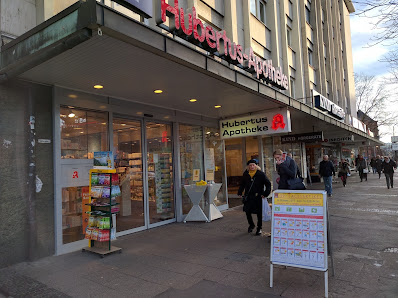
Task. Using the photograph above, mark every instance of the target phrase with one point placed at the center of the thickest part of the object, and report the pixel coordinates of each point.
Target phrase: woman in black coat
(256, 186)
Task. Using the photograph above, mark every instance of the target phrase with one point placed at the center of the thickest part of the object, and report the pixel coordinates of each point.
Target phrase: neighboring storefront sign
(340, 139)
(217, 42)
(298, 234)
(394, 139)
(304, 137)
(143, 7)
(325, 104)
(267, 123)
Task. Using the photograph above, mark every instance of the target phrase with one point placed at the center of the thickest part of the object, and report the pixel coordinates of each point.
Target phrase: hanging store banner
(298, 233)
(190, 27)
(304, 137)
(324, 104)
(267, 123)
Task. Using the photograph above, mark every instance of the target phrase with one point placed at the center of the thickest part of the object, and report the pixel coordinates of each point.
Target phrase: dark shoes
(250, 229)
(258, 232)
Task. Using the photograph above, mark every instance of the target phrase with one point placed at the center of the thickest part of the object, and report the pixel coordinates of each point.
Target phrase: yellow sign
(299, 199)
(196, 174)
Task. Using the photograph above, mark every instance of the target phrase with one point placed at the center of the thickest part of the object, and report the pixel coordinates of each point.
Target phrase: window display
(160, 172)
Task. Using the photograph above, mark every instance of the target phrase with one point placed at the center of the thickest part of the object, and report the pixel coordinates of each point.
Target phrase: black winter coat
(261, 187)
(388, 167)
(326, 168)
(379, 162)
(286, 171)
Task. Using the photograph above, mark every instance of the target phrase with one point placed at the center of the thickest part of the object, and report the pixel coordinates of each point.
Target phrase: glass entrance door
(160, 172)
(128, 163)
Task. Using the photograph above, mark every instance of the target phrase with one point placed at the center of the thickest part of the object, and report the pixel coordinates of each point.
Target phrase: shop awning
(89, 44)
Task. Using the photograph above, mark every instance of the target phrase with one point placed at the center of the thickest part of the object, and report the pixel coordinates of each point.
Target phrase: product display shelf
(101, 209)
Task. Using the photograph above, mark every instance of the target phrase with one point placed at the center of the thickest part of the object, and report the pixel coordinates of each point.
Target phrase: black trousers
(389, 179)
(259, 219)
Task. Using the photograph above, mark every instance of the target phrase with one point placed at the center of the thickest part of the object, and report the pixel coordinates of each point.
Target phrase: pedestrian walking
(344, 170)
(286, 168)
(362, 168)
(379, 162)
(388, 167)
(373, 165)
(256, 186)
(326, 171)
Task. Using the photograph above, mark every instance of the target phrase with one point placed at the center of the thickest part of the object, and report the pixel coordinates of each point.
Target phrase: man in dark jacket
(286, 168)
(379, 162)
(256, 186)
(388, 167)
(326, 170)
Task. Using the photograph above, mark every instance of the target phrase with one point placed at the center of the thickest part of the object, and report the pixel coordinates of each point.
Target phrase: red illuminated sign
(164, 137)
(217, 42)
(277, 122)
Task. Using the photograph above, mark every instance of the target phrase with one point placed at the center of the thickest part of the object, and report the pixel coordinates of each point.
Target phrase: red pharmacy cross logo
(277, 122)
(75, 175)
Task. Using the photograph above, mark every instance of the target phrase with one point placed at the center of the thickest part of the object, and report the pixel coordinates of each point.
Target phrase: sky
(366, 57)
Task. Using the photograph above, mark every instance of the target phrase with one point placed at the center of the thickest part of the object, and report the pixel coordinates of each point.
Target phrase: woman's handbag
(365, 171)
(267, 213)
(296, 184)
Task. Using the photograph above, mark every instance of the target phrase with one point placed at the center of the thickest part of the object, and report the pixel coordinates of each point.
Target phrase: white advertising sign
(299, 229)
(267, 123)
(394, 139)
(394, 147)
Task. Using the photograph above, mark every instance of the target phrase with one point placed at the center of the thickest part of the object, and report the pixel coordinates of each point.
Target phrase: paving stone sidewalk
(220, 259)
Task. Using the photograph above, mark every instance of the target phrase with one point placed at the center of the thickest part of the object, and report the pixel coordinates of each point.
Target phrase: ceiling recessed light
(139, 113)
(78, 128)
(158, 91)
(82, 132)
(193, 100)
(103, 123)
(98, 86)
(72, 96)
(71, 115)
(217, 106)
(166, 117)
(123, 124)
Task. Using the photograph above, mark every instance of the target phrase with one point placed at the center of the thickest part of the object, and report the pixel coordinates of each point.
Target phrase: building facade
(174, 97)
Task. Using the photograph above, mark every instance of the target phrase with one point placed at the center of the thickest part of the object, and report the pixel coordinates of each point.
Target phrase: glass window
(268, 158)
(82, 133)
(310, 61)
(74, 221)
(234, 155)
(262, 11)
(191, 154)
(307, 14)
(289, 36)
(214, 159)
(290, 9)
(128, 163)
(253, 5)
(292, 88)
(160, 171)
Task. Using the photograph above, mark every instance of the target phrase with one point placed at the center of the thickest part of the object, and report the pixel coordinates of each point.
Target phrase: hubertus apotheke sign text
(217, 42)
(267, 123)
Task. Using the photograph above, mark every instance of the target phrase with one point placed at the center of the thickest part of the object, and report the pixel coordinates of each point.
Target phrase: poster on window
(299, 229)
